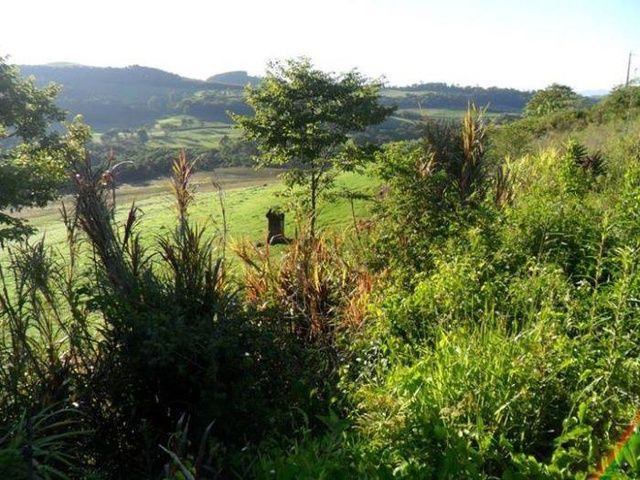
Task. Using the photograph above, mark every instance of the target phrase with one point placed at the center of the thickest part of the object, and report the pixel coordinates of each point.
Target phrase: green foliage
(143, 135)
(303, 117)
(213, 105)
(26, 112)
(552, 99)
(594, 124)
(430, 183)
(498, 354)
(32, 158)
(483, 325)
(176, 320)
(623, 101)
(145, 335)
(456, 407)
(41, 446)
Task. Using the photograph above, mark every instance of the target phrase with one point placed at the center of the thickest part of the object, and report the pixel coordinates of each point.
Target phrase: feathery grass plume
(459, 150)
(165, 328)
(194, 273)
(223, 210)
(44, 340)
(503, 185)
(43, 331)
(95, 217)
(472, 168)
(183, 191)
(188, 252)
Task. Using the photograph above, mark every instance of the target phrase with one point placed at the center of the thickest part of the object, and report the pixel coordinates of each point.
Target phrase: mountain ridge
(134, 96)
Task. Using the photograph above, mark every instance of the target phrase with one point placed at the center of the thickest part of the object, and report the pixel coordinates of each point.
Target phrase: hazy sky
(518, 43)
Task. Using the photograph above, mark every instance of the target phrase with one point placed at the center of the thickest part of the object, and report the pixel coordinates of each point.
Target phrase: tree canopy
(32, 156)
(303, 118)
(554, 98)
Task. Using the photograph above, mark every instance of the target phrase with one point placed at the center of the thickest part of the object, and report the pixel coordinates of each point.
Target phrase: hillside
(122, 98)
(239, 77)
(462, 304)
(119, 97)
(456, 97)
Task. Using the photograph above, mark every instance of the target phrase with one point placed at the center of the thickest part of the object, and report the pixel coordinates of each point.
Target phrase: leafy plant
(41, 446)
(303, 118)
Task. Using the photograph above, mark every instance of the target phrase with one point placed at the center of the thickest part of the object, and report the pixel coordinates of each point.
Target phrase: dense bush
(137, 339)
(623, 101)
(432, 185)
(511, 352)
(595, 123)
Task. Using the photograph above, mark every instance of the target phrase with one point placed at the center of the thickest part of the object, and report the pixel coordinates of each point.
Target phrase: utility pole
(628, 69)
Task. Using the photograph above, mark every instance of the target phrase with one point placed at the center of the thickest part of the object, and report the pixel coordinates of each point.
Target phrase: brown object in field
(275, 235)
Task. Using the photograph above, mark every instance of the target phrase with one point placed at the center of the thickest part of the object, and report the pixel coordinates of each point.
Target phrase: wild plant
(313, 284)
(42, 445)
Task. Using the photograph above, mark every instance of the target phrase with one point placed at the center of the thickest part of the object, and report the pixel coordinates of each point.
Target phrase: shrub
(433, 189)
(174, 340)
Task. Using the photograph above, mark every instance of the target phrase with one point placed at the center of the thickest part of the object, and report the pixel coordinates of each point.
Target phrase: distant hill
(119, 97)
(455, 97)
(131, 97)
(239, 77)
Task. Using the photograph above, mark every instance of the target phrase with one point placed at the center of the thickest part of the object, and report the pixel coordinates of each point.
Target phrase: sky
(524, 44)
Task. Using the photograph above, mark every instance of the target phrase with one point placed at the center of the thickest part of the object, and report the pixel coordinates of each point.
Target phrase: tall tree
(554, 98)
(303, 117)
(32, 156)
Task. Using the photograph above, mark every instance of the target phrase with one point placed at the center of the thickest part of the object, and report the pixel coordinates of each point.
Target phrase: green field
(442, 113)
(185, 131)
(181, 131)
(247, 195)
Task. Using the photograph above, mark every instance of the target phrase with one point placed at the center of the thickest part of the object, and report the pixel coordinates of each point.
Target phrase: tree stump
(275, 234)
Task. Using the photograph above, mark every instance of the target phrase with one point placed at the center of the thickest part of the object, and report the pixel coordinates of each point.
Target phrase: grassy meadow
(183, 131)
(247, 195)
(186, 131)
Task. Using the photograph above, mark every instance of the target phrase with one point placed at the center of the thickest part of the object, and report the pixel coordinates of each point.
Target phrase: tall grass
(316, 284)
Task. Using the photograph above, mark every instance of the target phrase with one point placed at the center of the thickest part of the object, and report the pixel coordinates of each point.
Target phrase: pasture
(247, 195)
(182, 131)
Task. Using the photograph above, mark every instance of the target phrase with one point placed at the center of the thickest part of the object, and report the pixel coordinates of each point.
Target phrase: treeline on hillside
(214, 106)
(132, 96)
(238, 77)
(555, 109)
(443, 95)
(145, 163)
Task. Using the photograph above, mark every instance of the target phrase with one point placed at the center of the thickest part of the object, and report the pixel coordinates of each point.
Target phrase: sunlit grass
(247, 195)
